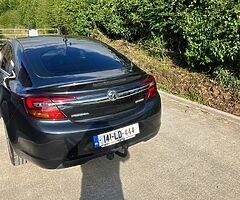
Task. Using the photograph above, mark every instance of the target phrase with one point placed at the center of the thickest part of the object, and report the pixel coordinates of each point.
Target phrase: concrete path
(196, 155)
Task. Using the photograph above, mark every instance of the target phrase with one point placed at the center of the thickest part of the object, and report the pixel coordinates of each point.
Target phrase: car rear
(60, 123)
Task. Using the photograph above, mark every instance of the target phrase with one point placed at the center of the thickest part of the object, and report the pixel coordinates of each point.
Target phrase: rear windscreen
(79, 58)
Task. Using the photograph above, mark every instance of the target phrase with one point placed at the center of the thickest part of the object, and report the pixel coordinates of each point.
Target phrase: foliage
(155, 46)
(202, 32)
(125, 19)
(227, 77)
(211, 29)
(44, 14)
(6, 5)
(76, 16)
(10, 19)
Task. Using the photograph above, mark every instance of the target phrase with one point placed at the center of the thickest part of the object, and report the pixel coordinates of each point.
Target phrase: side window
(7, 60)
(3, 49)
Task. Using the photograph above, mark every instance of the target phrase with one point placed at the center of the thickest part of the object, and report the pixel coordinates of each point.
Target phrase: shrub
(125, 19)
(211, 29)
(227, 77)
(202, 32)
(10, 19)
(155, 45)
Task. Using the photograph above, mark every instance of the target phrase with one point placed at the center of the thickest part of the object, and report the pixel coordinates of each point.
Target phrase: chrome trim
(4, 72)
(140, 100)
(102, 99)
(80, 115)
(8, 76)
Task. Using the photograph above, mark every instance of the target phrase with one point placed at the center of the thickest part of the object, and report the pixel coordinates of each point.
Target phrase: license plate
(116, 136)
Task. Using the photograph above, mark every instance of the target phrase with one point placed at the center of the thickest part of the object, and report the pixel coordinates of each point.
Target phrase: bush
(155, 46)
(202, 32)
(10, 19)
(227, 77)
(205, 32)
(125, 19)
(78, 17)
(211, 29)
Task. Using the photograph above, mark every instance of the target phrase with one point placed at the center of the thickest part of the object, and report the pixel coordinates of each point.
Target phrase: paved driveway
(196, 155)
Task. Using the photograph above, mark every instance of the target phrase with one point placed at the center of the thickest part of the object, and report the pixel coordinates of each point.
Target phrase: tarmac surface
(196, 155)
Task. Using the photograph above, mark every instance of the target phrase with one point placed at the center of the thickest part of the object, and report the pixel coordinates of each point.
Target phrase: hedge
(203, 32)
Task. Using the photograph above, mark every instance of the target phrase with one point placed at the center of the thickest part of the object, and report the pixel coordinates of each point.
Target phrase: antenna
(64, 32)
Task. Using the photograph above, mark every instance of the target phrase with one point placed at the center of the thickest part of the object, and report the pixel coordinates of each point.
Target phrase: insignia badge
(112, 95)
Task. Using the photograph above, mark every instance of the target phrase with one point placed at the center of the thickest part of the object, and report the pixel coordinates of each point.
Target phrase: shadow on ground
(101, 179)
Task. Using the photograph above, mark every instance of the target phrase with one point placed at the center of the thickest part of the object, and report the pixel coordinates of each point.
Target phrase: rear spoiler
(94, 82)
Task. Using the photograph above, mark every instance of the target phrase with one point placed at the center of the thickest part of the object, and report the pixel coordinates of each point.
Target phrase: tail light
(45, 108)
(152, 90)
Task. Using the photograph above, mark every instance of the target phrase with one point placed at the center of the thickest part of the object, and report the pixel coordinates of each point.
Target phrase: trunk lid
(100, 100)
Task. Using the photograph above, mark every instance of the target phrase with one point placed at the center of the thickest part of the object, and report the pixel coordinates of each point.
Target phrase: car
(65, 101)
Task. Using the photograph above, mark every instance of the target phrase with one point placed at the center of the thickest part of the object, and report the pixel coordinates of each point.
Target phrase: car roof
(46, 41)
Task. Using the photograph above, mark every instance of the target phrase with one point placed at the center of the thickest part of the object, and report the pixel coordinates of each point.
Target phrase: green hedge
(211, 29)
(203, 32)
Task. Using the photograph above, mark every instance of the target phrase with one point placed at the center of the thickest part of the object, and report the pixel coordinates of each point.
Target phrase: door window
(6, 59)
(3, 49)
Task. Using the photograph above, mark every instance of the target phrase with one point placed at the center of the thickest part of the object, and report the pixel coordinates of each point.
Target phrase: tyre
(15, 159)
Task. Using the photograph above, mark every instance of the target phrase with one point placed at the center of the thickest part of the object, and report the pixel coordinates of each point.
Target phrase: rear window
(72, 59)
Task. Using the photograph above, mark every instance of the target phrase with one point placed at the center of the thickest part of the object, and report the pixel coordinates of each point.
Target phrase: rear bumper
(63, 144)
